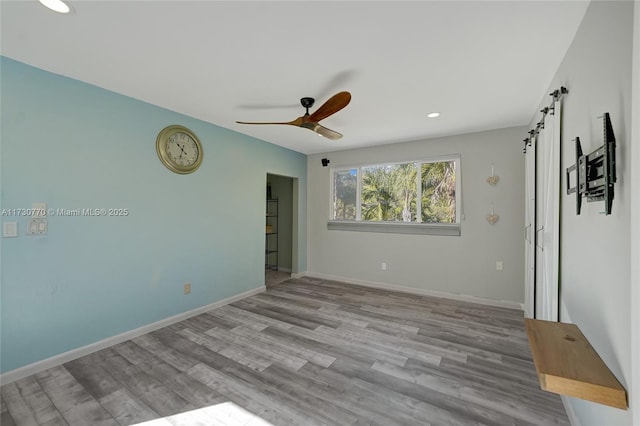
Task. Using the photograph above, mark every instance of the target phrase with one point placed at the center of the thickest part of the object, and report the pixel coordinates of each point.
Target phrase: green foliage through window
(439, 192)
(390, 192)
(344, 203)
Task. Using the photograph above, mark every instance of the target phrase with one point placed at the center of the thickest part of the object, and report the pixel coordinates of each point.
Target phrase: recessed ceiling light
(433, 114)
(56, 5)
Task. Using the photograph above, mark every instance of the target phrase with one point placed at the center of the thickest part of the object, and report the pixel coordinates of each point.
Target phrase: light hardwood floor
(275, 277)
(306, 352)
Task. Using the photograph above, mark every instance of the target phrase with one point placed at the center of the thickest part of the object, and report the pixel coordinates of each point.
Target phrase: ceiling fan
(311, 121)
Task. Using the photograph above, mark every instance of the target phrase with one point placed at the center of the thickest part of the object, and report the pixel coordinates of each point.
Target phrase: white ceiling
(482, 64)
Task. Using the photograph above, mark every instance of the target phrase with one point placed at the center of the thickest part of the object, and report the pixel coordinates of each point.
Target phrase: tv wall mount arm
(595, 173)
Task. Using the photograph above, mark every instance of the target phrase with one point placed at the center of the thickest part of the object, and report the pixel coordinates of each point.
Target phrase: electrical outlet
(383, 266)
(187, 288)
(37, 226)
(498, 266)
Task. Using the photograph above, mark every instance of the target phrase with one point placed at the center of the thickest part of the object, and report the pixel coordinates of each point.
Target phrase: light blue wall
(74, 146)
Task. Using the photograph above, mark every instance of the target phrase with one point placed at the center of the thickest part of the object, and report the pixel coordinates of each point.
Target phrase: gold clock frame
(165, 134)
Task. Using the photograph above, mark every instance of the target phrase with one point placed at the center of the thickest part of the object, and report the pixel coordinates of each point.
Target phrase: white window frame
(418, 227)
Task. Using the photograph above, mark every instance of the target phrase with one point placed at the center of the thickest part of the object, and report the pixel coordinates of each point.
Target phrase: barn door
(529, 229)
(546, 236)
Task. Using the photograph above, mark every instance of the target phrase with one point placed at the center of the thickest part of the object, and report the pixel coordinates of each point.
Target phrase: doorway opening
(280, 229)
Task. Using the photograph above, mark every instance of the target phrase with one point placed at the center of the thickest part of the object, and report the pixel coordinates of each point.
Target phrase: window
(438, 192)
(423, 193)
(389, 192)
(345, 184)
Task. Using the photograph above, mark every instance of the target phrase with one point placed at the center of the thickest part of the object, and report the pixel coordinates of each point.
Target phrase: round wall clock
(179, 149)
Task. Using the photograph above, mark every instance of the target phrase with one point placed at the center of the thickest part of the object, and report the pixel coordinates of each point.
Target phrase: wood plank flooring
(306, 352)
(275, 277)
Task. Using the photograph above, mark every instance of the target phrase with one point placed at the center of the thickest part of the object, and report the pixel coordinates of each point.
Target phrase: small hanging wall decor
(493, 179)
(492, 218)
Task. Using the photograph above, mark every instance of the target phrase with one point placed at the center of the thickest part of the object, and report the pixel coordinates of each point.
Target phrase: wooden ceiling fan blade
(333, 105)
(322, 131)
(328, 133)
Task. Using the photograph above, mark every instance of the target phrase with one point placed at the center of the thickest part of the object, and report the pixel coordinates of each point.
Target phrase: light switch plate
(10, 229)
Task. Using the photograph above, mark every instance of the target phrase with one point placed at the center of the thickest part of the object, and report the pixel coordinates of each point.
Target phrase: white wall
(595, 260)
(634, 397)
(463, 265)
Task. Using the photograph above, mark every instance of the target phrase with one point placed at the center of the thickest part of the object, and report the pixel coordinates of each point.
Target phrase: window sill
(445, 229)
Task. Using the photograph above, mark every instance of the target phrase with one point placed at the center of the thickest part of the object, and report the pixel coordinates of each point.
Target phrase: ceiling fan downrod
(307, 103)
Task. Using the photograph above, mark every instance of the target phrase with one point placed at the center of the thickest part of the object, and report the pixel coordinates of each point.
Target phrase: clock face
(179, 149)
(182, 149)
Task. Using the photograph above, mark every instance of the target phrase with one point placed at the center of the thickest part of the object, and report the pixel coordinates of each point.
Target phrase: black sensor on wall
(595, 172)
(325, 162)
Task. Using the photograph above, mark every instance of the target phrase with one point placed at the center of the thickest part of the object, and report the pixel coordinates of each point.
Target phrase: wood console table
(567, 364)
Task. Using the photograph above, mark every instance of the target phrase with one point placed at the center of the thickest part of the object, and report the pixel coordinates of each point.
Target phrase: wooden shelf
(567, 364)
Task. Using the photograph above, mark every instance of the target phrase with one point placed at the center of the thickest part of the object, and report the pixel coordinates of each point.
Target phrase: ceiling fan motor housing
(307, 103)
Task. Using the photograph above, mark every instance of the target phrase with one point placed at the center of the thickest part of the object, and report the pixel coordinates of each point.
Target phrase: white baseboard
(422, 292)
(571, 412)
(37, 367)
(298, 275)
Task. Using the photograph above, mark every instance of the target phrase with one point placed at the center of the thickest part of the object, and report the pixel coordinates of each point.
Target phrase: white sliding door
(529, 229)
(547, 219)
